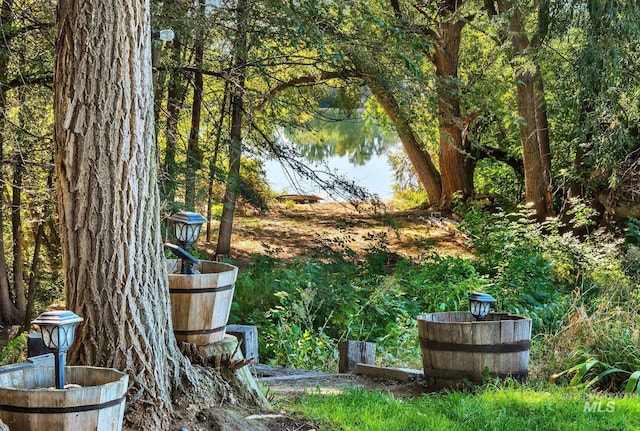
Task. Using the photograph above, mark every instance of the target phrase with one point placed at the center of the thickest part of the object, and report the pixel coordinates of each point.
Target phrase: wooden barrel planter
(200, 303)
(29, 402)
(455, 347)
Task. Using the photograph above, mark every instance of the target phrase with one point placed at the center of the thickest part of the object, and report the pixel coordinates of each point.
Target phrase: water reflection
(354, 147)
(356, 138)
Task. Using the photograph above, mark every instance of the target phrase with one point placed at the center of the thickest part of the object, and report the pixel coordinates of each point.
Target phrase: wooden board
(354, 352)
(400, 374)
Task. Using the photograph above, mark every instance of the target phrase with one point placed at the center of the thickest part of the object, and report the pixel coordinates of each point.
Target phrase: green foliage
(512, 251)
(438, 283)
(633, 231)
(295, 340)
(603, 372)
(607, 338)
(15, 351)
(399, 347)
(334, 294)
(495, 179)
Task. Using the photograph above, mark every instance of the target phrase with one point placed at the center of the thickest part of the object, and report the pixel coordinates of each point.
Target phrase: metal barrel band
(200, 331)
(520, 346)
(204, 290)
(61, 410)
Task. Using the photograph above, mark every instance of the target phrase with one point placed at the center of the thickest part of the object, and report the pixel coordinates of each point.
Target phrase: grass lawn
(511, 408)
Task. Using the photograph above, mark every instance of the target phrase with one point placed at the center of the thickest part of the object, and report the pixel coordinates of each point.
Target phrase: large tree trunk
(534, 133)
(537, 186)
(213, 162)
(420, 159)
(456, 163)
(113, 261)
(223, 247)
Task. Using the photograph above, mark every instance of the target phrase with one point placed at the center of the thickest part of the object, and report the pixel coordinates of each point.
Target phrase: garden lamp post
(58, 330)
(480, 304)
(187, 230)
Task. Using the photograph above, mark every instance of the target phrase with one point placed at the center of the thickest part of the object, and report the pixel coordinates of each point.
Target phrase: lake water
(356, 149)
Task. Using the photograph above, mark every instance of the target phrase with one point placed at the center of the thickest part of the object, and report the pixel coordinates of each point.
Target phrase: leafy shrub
(399, 346)
(15, 351)
(438, 283)
(294, 340)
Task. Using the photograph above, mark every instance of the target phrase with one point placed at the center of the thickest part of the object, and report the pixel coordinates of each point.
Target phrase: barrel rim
(122, 378)
(502, 317)
(228, 268)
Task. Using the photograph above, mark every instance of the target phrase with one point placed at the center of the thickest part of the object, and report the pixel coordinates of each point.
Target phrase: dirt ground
(287, 231)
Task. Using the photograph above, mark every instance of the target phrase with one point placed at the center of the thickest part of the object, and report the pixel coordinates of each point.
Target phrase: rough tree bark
(420, 159)
(456, 163)
(534, 133)
(113, 261)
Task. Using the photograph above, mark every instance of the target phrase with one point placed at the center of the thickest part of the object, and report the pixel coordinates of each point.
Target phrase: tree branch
(21, 81)
(502, 156)
(310, 79)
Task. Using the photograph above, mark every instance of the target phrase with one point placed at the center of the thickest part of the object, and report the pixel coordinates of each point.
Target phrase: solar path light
(58, 330)
(480, 304)
(187, 230)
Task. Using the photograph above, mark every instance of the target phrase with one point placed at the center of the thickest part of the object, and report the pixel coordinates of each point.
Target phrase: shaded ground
(288, 231)
(281, 389)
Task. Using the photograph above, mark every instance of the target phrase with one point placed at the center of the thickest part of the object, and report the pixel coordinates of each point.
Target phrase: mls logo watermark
(599, 406)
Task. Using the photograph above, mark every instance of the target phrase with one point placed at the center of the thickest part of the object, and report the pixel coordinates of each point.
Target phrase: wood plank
(505, 361)
(400, 374)
(522, 331)
(422, 336)
(295, 377)
(465, 359)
